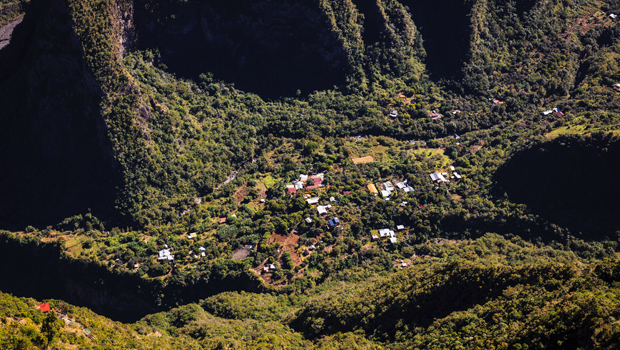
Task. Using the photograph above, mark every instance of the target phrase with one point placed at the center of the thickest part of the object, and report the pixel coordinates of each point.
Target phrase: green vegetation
(516, 104)
(11, 9)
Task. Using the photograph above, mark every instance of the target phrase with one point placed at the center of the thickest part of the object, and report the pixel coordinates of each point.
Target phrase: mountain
(180, 165)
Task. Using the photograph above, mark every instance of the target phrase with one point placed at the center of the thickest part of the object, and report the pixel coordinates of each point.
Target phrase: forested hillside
(282, 174)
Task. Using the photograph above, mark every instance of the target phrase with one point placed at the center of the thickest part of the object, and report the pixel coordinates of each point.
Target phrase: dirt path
(7, 30)
(234, 174)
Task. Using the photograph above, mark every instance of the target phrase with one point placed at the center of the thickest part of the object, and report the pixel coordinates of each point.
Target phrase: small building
(400, 185)
(457, 175)
(437, 177)
(308, 220)
(385, 193)
(388, 186)
(202, 249)
(613, 16)
(262, 200)
(164, 254)
(222, 220)
(375, 237)
(393, 240)
(312, 247)
(322, 210)
(386, 232)
(332, 199)
(403, 265)
(394, 113)
(334, 222)
(373, 189)
(452, 167)
(313, 200)
(192, 235)
(303, 177)
(272, 267)
(45, 307)
(403, 204)
(547, 112)
(292, 190)
(400, 227)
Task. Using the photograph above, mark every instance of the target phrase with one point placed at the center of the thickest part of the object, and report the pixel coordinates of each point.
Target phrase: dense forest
(281, 174)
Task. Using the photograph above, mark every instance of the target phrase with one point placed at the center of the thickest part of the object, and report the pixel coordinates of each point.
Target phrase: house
(400, 185)
(373, 189)
(375, 237)
(434, 115)
(202, 249)
(308, 220)
(613, 16)
(393, 240)
(313, 200)
(452, 167)
(437, 177)
(322, 210)
(457, 176)
(385, 193)
(164, 254)
(547, 112)
(497, 102)
(388, 186)
(386, 232)
(332, 199)
(292, 190)
(394, 113)
(334, 222)
(203, 254)
(272, 267)
(45, 307)
(303, 177)
(299, 185)
(409, 189)
(403, 265)
(192, 235)
(222, 220)
(400, 227)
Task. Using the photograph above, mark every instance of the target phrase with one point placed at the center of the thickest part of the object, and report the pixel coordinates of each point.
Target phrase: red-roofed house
(45, 307)
(222, 220)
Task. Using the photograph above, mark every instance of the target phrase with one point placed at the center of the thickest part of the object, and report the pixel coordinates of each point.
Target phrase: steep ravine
(40, 270)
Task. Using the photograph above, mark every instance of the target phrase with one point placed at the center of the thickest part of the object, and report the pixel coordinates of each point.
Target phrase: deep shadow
(373, 21)
(37, 270)
(571, 181)
(446, 29)
(55, 159)
(524, 6)
(271, 48)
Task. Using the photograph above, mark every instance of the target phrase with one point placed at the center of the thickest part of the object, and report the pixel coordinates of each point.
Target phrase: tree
(51, 327)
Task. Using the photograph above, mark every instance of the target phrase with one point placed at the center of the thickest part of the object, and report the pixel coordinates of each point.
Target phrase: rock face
(272, 48)
(6, 32)
(55, 156)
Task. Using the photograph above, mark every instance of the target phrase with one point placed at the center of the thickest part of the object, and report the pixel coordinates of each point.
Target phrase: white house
(321, 209)
(314, 200)
(437, 177)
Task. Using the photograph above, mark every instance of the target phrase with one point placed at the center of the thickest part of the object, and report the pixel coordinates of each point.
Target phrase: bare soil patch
(362, 160)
